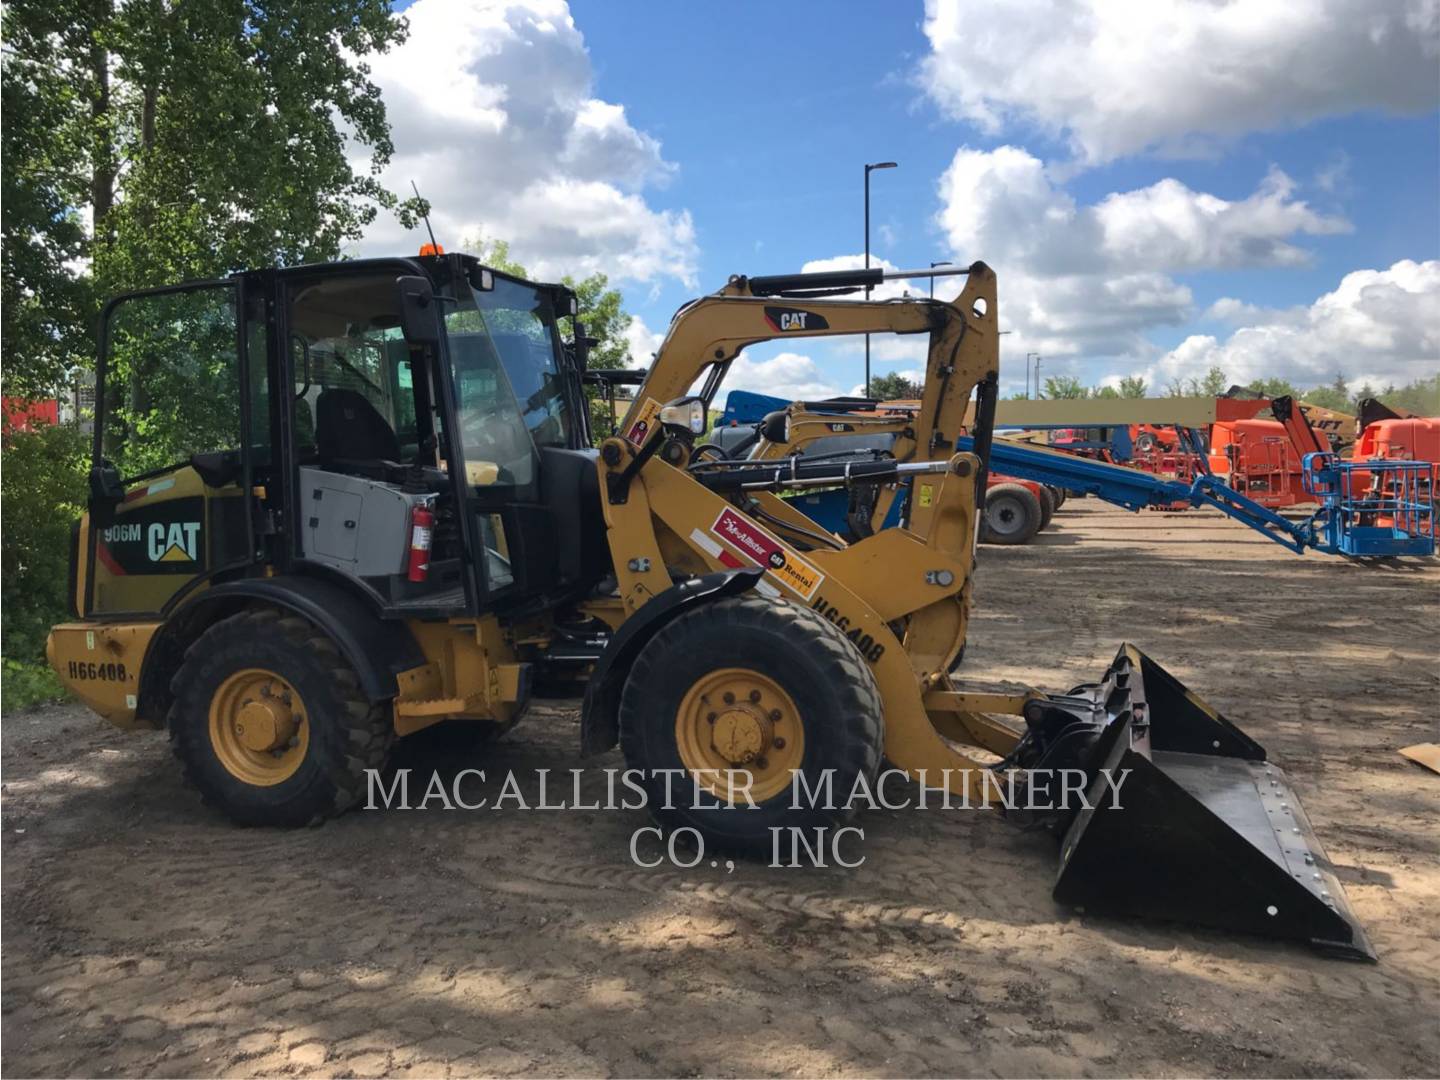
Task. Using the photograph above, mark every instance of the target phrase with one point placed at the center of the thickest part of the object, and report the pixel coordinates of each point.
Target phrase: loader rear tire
(760, 689)
(1012, 515)
(270, 672)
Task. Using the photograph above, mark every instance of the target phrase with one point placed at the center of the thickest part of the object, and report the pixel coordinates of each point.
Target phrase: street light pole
(943, 262)
(1028, 355)
(869, 168)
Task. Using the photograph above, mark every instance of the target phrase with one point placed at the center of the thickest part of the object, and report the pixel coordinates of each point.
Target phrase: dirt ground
(143, 936)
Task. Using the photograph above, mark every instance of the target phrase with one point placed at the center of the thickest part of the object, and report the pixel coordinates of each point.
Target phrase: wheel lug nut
(779, 744)
(729, 698)
(762, 763)
(755, 697)
(775, 716)
(710, 718)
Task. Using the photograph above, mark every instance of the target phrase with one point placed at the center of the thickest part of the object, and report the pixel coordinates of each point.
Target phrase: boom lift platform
(387, 516)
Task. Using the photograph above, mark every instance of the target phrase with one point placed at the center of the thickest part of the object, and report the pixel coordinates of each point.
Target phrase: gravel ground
(144, 936)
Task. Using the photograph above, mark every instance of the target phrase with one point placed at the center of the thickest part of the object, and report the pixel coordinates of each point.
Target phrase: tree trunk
(102, 200)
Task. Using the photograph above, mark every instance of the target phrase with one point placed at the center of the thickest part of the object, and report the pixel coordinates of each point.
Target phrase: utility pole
(1028, 355)
(869, 168)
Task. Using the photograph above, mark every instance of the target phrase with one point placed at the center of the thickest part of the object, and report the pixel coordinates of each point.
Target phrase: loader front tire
(270, 724)
(741, 694)
(1012, 515)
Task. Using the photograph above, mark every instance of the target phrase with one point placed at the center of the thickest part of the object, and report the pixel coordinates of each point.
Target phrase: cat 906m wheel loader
(333, 505)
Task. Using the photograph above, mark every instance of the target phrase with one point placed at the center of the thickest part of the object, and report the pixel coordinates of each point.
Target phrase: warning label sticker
(762, 549)
(644, 421)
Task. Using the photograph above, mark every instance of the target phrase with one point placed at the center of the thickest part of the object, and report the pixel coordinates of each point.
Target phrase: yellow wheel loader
(333, 505)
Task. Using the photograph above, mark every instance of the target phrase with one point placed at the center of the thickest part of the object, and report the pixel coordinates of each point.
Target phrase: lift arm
(706, 335)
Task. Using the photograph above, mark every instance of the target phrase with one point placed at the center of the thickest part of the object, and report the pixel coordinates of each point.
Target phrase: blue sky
(1205, 154)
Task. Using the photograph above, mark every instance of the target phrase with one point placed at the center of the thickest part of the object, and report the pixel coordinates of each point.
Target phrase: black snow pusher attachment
(1183, 818)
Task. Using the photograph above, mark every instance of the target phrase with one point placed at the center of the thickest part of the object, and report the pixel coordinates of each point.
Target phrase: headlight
(688, 413)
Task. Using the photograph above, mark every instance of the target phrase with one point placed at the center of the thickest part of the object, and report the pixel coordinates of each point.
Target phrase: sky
(1161, 186)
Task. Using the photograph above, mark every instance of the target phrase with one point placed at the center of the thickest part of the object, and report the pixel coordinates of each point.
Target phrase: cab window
(354, 386)
(172, 383)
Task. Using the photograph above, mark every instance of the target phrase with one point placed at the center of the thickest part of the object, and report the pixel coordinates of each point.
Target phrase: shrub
(27, 684)
(42, 492)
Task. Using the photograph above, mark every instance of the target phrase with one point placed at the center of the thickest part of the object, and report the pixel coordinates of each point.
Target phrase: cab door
(178, 417)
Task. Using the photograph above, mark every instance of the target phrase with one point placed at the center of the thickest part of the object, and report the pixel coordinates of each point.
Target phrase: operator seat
(349, 429)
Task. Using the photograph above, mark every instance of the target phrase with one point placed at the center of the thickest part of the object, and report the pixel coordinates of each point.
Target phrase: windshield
(510, 394)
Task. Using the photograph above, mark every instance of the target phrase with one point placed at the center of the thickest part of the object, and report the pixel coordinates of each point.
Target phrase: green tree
(893, 386)
(44, 299)
(1132, 386)
(42, 489)
(1327, 398)
(1212, 384)
(1129, 386)
(1421, 397)
(198, 138)
(1335, 396)
(148, 142)
(1274, 387)
(1065, 386)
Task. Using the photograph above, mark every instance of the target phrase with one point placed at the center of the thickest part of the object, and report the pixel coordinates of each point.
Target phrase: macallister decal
(644, 421)
(792, 320)
(762, 549)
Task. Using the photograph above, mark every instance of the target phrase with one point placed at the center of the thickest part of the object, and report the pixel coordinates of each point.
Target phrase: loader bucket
(1203, 829)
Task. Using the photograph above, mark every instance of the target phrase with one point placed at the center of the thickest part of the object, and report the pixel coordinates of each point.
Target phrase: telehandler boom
(382, 512)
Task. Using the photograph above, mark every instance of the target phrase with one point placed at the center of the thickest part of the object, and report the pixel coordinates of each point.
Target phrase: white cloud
(1377, 326)
(1094, 279)
(787, 375)
(492, 113)
(886, 290)
(1001, 204)
(642, 342)
(1117, 78)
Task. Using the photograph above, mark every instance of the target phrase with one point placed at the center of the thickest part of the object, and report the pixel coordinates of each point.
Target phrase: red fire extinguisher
(422, 525)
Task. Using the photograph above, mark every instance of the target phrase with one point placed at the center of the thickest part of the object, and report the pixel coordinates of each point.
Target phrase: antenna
(426, 217)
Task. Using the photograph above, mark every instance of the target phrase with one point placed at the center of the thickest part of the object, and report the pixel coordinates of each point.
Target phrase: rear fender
(600, 719)
(378, 649)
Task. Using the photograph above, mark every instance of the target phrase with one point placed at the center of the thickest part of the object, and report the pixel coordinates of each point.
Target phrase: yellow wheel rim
(258, 727)
(734, 723)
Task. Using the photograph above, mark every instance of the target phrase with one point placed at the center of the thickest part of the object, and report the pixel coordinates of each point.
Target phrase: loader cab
(301, 421)
(451, 389)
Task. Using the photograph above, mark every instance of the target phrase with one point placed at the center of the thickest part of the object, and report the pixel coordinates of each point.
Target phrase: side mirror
(105, 487)
(775, 427)
(419, 313)
(481, 279)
